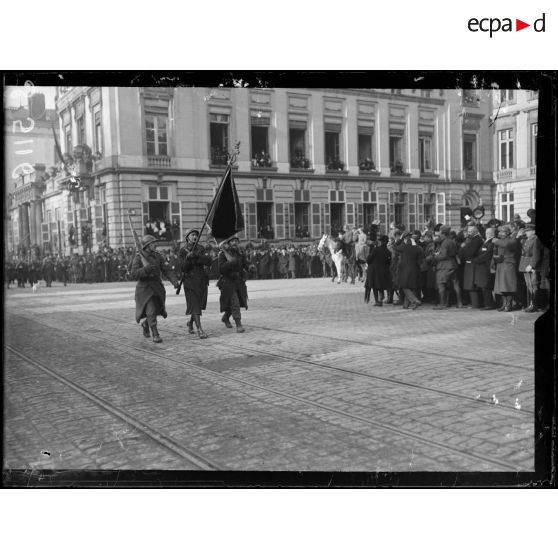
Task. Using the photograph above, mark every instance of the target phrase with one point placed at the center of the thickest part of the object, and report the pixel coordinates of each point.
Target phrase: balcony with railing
(161, 161)
(505, 174)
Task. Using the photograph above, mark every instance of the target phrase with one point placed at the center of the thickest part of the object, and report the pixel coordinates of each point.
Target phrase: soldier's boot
(239, 327)
(226, 320)
(201, 332)
(375, 291)
(191, 325)
(145, 327)
(156, 337)
(390, 297)
(380, 298)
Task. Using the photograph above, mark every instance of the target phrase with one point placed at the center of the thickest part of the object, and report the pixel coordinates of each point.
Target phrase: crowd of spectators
(502, 266)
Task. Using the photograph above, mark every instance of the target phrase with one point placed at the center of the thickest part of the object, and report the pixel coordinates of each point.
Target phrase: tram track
(207, 463)
(339, 369)
(190, 456)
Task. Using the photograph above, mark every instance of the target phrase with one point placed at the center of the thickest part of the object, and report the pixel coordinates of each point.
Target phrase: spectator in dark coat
(429, 290)
(394, 269)
(410, 268)
(446, 269)
(147, 269)
(470, 250)
(484, 272)
(48, 271)
(378, 275)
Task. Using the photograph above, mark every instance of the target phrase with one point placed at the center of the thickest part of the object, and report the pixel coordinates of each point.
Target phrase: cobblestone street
(319, 381)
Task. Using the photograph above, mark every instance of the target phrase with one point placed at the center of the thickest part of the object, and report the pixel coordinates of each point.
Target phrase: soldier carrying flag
(226, 221)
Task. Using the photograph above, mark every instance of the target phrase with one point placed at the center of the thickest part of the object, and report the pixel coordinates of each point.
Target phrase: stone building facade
(515, 117)
(310, 161)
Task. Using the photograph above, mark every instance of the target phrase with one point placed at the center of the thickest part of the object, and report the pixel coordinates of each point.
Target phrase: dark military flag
(225, 217)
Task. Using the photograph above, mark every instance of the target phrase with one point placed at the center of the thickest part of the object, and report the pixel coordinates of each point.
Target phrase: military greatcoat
(149, 285)
(232, 280)
(195, 278)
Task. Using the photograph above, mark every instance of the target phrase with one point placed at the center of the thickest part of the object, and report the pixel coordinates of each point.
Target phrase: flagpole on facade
(230, 162)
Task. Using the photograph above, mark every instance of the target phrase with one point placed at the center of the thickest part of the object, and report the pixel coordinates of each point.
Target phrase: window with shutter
(441, 208)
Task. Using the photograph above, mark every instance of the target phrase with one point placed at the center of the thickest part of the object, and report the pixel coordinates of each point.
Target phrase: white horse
(336, 255)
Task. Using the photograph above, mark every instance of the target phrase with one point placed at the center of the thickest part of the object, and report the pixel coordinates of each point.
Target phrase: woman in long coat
(147, 269)
(505, 280)
(410, 268)
(192, 263)
(378, 275)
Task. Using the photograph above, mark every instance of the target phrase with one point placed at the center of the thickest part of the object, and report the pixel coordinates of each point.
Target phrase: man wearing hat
(192, 264)
(378, 276)
(483, 273)
(530, 265)
(446, 268)
(410, 264)
(147, 268)
(233, 266)
(468, 251)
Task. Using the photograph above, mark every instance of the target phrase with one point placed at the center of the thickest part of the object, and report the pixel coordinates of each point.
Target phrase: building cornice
(376, 94)
(285, 176)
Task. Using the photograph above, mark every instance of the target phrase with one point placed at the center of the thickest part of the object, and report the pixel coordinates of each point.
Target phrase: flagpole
(230, 162)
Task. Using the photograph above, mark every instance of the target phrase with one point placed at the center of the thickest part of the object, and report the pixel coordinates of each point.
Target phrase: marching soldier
(233, 266)
(192, 264)
(150, 291)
